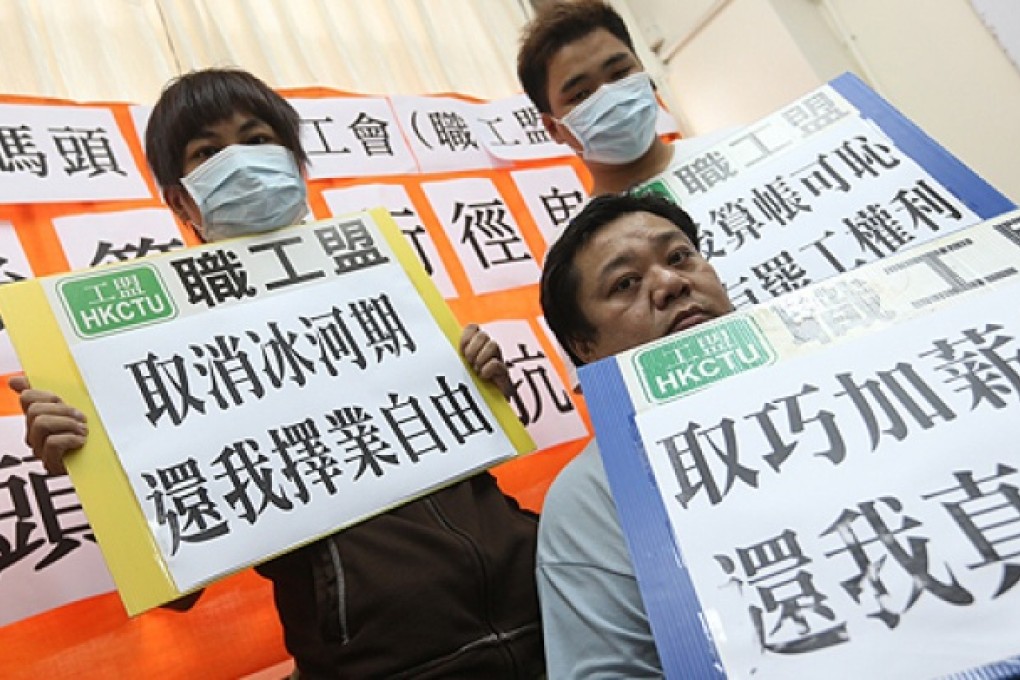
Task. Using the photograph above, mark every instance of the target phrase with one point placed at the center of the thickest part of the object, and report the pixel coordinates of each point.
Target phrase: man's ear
(554, 128)
(582, 349)
(183, 207)
(176, 199)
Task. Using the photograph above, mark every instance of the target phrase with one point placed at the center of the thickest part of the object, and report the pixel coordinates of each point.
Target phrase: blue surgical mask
(616, 124)
(247, 189)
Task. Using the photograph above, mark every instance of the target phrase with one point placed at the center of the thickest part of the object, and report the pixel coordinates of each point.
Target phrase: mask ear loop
(570, 128)
(197, 229)
(179, 213)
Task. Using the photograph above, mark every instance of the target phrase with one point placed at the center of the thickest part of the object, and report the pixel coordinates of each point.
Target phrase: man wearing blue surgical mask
(577, 64)
(239, 173)
(632, 260)
(246, 189)
(442, 586)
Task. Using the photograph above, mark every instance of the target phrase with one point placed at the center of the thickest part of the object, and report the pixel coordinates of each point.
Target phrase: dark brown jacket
(442, 587)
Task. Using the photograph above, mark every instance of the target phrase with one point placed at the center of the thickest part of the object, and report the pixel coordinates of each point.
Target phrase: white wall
(940, 65)
(742, 64)
(732, 61)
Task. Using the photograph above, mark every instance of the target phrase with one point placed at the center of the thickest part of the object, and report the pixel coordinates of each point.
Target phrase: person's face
(640, 279)
(240, 128)
(577, 70)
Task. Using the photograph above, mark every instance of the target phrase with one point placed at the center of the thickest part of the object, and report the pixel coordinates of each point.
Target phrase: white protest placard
(844, 507)
(101, 238)
(14, 266)
(482, 230)
(48, 542)
(352, 137)
(53, 154)
(833, 469)
(553, 196)
(848, 197)
(396, 200)
(541, 400)
(261, 392)
(511, 129)
(443, 133)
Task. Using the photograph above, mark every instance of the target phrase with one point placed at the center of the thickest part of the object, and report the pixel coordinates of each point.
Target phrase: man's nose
(668, 284)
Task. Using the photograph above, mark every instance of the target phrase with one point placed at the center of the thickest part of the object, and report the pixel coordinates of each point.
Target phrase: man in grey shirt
(626, 271)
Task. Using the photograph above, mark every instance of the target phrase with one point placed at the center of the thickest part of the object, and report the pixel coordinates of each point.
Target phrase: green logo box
(100, 304)
(657, 187)
(701, 357)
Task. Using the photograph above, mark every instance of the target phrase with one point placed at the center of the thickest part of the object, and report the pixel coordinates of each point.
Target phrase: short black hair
(559, 284)
(207, 96)
(556, 24)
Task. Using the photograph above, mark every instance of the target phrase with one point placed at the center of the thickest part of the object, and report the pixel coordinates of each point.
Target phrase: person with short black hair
(626, 271)
(577, 64)
(190, 102)
(560, 276)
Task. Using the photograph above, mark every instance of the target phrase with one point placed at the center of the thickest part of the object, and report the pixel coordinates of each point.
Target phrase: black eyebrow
(614, 60)
(204, 133)
(573, 82)
(661, 240)
(253, 122)
(247, 126)
(609, 63)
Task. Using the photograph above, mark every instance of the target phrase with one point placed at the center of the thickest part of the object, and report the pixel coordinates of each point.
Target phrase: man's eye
(624, 284)
(260, 139)
(622, 73)
(679, 256)
(579, 96)
(205, 152)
